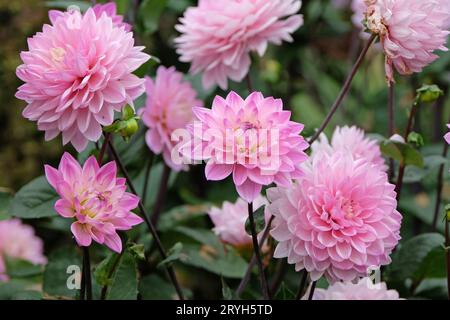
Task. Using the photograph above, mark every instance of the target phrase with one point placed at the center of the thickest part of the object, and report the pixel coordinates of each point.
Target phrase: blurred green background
(307, 74)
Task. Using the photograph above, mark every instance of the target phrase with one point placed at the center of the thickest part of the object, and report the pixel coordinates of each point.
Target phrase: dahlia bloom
(359, 8)
(110, 9)
(77, 72)
(229, 221)
(353, 141)
(364, 289)
(218, 36)
(410, 32)
(18, 241)
(447, 136)
(252, 139)
(339, 219)
(168, 107)
(95, 198)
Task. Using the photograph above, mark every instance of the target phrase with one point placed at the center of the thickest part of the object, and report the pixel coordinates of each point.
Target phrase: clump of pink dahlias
(95, 198)
(77, 73)
(168, 107)
(18, 241)
(410, 32)
(352, 140)
(218, 36)
(229, 221)
(364, 289)
(252, 139)
(339, 219)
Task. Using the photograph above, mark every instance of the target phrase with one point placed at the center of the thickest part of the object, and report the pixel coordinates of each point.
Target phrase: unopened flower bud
(428, 93)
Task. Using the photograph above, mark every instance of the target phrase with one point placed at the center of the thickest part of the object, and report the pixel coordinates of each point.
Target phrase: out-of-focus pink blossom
(168, 107)
(218, 36)
(229, 221)
(77, 73)
(252, 139)
(95, 198)
(364, 289)
(447, 135)
(339, 220)
(18, 241)
(110, 9)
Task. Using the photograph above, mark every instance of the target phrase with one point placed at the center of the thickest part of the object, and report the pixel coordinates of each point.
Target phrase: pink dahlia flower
(410, 32)
(339, 219)
(95, 198)
(229, 221)
(353, 141)
(218, 36)
(77, 72)
(359, 8)
(447, 136)
(18, 241)
(364, 289)
(168, 108)
(252, 139)
(110, 9)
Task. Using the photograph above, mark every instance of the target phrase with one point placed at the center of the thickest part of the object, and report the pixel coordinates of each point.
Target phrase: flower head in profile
(364, 289)
(351, 140)
(218, 36)
(447, 135)
(77, 73)
(18, 241)
(168, 107)
(253, 139)
(95, 198)
(229, 221)
(339, 220)
(410, 32)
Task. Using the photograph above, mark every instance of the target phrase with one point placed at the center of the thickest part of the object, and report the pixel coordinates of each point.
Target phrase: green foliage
(418, 258)
(123, 282)
(34, 200)
(402, 152)
(149, 14)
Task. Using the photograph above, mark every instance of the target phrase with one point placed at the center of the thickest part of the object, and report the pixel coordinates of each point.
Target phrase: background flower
(338, 220)
(77, 72)
(168, 107)
(252, 139)
(352, 140)
(18, 241)
(447, 135)
(364, 289)
(110, 9)
(229, 221)
(410, 31)
(95, 198)
(218, 36)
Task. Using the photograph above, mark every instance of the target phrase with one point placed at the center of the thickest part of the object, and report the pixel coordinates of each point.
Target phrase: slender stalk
(311, 292)
(280, 272)
(83, 281)
(252, 263)
(87, 272)
(401, 170)
(391, 125)
(101, 154)
(440, 185)
(248, 79)
(148, 222)
(148, 171)
(160, 198)
(262, 275)
(301, 288)
(344, 90)
(447, 255)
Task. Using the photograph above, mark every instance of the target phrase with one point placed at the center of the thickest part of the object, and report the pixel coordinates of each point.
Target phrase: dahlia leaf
(260, 221)
(124, 282)
(34, 200)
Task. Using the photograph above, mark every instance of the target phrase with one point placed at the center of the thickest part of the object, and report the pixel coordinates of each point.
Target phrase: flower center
(247, 125)
(57, 54)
